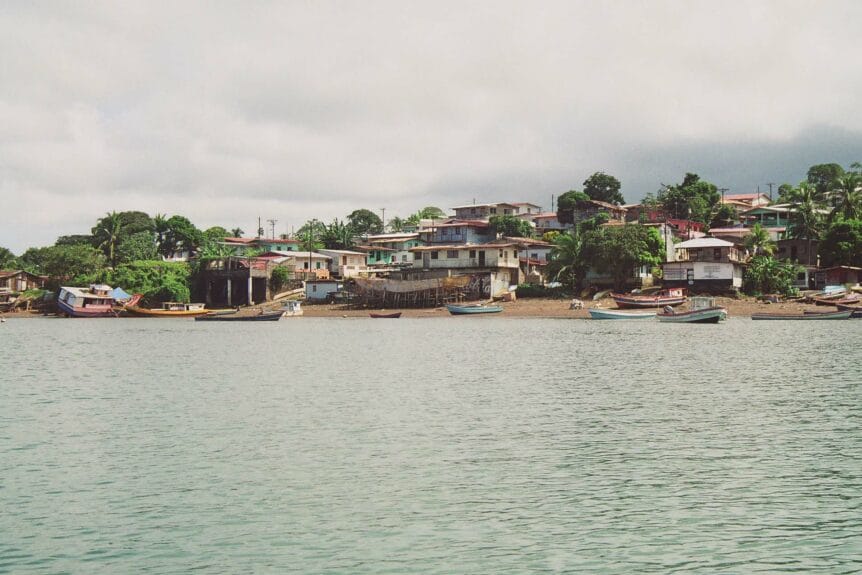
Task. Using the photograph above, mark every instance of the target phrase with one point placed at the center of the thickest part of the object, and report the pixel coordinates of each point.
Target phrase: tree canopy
(365, 222)
(842, 244)
(619, 250)
(604, 188)
(567, 203)
(765, 274)
(823, 176)
(7, 259)
(510, 226)
(693, 199)
(158, 281)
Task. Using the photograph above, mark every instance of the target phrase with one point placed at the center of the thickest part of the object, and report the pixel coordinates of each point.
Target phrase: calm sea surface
(456, 445)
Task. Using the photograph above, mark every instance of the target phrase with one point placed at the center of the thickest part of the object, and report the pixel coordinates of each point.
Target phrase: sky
(228, 111)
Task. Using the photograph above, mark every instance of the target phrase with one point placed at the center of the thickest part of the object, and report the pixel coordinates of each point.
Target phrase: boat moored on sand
(470, 309)
(169, 309)
(598, 313)
(671, 297)
(803, 316)
(93, 301)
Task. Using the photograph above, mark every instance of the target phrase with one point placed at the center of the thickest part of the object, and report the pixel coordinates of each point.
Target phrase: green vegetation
(619, 250)
(364, 222)
(604, 188)
(766, 275)
(567, 203)
(157, 281)
(693, 199)
(510, 226)
(279, 278)
(842, 244)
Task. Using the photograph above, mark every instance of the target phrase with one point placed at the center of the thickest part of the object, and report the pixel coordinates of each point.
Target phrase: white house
(485, 211)
(345, 263)
(705, 264)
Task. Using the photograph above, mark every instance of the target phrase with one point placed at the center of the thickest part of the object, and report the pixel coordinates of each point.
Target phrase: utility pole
(383, 217)
(770, 184)
(272, 227)
(259, 228)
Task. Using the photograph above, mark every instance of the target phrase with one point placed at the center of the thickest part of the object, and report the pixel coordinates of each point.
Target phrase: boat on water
(703, 310)
(169, 309)
(668, 297)
(394, 315)
(236, 316)
(839, 314)
(471, 309)
(93, 301)
(597, 313)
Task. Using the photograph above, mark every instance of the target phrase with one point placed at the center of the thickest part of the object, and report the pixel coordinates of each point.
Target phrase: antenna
(383, 217)
(770, 184)
(272, 226)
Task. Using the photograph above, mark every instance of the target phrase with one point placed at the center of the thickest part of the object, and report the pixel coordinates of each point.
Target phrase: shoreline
(537, 308)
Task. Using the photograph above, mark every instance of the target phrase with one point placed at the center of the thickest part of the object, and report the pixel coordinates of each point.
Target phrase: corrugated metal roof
(704, 243)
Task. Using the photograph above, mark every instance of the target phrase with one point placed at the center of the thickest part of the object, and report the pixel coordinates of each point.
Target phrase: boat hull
(385, 315)
(803, 316)
(616, 314)
(706, 315)
(641, 302)
(93, 311)
(144, 312)
(855, 310)
(472, 310)
(275, 316)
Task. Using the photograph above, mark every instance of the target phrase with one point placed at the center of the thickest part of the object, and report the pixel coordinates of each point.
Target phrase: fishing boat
(93, 301)
(471, 309)
(597, 313)
(395, 315)
(291, 308)
(804, 316)
(703, 310)
(668, 297)
(236, 316)
(169, 309)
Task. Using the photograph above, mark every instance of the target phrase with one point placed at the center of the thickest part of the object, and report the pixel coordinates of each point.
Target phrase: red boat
(671, 297)
(395, 315)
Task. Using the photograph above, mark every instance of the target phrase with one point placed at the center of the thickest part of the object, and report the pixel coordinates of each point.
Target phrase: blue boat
(597, 313)
(472, 309)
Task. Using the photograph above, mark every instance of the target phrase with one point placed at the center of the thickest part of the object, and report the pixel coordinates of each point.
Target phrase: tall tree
(510, 226)
(365, 222)
(236, 233)
(619, 250)
(806, 219)
(565, 263)
(7, 259)
(180, 235)
(842, 244)
(396, 224)
(77, 264)
(337, 236)
(108, 233)
(846, 196)
(137, 247)
(567, 203)
(431, 213)
(75, 240)
(311, 235)
(215, 234)
(693, 199)
(823, 176)
(604, 188)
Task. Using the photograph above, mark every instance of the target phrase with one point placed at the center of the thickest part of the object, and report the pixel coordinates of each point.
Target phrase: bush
(279, 278)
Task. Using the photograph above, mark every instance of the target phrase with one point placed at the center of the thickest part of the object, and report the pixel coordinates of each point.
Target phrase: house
(241, 245)
(307, 265)
(776, 219)
(751, 200)
(533, 255)
(19, 281)
(321, 290)
(485, 211)
(527, 210)
(495, 266)
(390, 249)
(548, 222)
(797, 250)
(240, 280)
(345, 263)
(456, 231)
(705, 264)
(838, 275)
(591, 208)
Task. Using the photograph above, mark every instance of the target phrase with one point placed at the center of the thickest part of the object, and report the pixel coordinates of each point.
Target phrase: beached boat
(703, 310)
(169, 309)
(597, 313)
(395, 315)
(855, 310)
(236, 316)
(671, 297)
(291, 308)
(473, 309)
(804, 316)
(93, 301)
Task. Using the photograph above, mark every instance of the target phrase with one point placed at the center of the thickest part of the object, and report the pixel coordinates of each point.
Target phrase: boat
(668, 297)
(703, 310)
(291, 308)
(395, 315)
(805, 316)
(855, 310)
(470, 309)
(169, 309)
(92, 301)
(597, 313)
(236, 316)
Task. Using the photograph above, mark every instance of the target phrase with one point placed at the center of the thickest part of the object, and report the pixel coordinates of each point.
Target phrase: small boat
(671, 297)
(169, 309)
(703, 310)
(855, 310)
(93, 301)
(808, 315)
(235, 316)
(597, 313)
(472, 309)
(395, 315)
(291, 308)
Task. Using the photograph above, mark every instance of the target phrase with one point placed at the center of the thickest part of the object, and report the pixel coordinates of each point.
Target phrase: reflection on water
(434, 446)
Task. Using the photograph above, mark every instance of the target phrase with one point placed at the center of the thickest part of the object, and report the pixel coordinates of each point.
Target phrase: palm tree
(847, 196)
(338, 236)
(758, 241)
(806, 218)
(162, 229)
(565, 262)
(396, 224)
(236, 233)
(107, 232)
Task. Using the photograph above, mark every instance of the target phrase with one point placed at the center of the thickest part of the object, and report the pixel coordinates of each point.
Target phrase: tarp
(119, 295)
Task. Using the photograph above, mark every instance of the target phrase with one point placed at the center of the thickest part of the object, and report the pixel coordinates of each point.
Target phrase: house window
(716, 253)
(515, 254)
(501, 253)
(534, 256)
(317, 265)
(305, 265)
(472, 253)
(313, 288)
(493, 210)
(417, 256)
(452, 254)
(435, 255)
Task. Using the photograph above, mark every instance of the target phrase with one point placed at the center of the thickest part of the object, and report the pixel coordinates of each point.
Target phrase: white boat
(291, 308)
(703, 310)
(597, 313)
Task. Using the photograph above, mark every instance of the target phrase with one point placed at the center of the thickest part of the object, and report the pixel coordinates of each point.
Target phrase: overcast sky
(226, 111)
